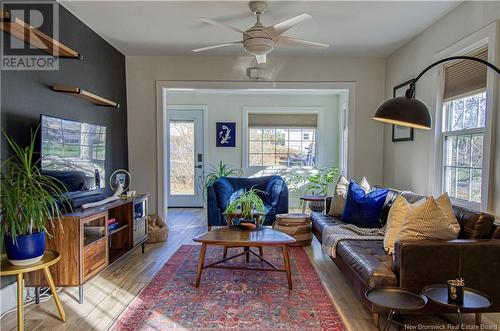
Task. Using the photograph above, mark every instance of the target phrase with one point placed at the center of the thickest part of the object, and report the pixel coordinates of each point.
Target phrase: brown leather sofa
(474, 256)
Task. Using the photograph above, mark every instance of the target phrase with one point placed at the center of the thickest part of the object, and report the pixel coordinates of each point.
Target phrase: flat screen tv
(72, 149)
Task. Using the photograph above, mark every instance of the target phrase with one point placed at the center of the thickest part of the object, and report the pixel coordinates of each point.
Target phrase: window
(464, 131)
(463, 136)
(282, 146)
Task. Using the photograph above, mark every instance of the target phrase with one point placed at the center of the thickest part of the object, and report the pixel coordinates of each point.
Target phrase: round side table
(313, 198)
(7, 269)
(473, 299)
(395, 299)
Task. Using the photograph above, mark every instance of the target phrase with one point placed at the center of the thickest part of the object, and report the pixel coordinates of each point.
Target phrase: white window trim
(485, 36)
(279, 110)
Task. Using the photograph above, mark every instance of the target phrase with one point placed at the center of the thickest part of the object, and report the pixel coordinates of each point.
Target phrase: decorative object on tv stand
(246, 210)
(28, 204)
(226, 134)
(401, 133)
(114, 197)
(119, 177)
(409, 111)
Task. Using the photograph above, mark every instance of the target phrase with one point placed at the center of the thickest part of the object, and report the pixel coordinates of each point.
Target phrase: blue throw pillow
(362, 208)
(223, 190)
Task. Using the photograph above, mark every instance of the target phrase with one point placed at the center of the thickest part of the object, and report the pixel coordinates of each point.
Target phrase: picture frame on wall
(225, 134)
(401, 133)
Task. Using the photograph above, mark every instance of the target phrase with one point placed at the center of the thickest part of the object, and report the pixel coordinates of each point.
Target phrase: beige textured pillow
(397, 214)
(430, 220)
(338, 200)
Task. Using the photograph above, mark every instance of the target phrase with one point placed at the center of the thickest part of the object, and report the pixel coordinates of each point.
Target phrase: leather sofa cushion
(369, 261)
(473, 225)
(319, 221)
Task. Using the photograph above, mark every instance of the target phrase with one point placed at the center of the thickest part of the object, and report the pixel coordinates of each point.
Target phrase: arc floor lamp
(411, 112)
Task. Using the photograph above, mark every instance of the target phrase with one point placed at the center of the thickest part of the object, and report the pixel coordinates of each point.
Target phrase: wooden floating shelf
(27, 33)
(76, 91)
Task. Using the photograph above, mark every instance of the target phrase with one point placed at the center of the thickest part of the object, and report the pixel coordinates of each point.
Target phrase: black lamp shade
(404, 111)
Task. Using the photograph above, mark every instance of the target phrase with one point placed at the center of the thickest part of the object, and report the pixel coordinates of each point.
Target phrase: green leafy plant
(320, 182)
(215, 172)
(28, 198)
(247, 204)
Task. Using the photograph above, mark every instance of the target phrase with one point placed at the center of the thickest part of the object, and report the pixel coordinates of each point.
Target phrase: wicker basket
(296, 225)
(157, 229)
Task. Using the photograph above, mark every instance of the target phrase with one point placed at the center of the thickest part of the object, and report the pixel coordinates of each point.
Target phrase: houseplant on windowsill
(319, 184)
(246, 211)
(29, 202)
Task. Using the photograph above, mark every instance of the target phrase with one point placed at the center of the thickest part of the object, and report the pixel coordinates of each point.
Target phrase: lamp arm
(411, 91)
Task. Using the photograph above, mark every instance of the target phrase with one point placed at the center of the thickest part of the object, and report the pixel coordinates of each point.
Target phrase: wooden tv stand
(87, 247)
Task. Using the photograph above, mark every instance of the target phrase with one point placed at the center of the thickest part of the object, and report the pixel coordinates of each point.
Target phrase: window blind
(465, 76)
(266, 120)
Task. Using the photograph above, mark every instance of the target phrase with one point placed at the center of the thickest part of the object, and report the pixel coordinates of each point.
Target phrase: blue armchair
(219, 195)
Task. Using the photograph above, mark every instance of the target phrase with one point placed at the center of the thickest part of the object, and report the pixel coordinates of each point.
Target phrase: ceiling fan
(260, 40)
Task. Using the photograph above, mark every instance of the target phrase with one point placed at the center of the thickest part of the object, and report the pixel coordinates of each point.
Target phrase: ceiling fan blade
(289, 41)
(216, 46)
(279, 28)
(261, 59)
(222, 24)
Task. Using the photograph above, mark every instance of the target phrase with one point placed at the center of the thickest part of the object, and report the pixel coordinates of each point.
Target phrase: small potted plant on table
(246, 211)
(29, 202)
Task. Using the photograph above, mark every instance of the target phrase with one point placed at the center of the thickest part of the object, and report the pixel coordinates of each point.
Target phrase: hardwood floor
(109, 293)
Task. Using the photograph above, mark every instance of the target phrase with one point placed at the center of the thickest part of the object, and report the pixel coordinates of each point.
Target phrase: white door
(185, 158)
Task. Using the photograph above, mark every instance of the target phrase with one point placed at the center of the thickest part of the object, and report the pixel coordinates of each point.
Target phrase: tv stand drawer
(94, 258)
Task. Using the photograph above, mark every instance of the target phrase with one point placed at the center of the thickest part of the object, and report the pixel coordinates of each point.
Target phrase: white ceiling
(353, 28)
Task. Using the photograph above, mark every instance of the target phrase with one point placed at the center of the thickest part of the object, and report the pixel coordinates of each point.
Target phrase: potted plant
(319, 184)
(215, 172)
(29, 202)
(246, 210)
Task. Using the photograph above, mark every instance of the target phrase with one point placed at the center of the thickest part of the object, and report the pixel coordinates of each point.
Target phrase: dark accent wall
(27, 94)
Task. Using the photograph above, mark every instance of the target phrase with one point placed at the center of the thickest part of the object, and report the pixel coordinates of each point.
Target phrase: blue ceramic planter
(26, 250)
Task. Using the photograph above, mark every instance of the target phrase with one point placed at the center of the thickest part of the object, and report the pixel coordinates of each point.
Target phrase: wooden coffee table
(235, 237)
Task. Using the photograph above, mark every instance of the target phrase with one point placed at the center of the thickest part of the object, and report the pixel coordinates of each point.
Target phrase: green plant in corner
(28, 198)
(247, 205)
(215, 172)
(320, 182)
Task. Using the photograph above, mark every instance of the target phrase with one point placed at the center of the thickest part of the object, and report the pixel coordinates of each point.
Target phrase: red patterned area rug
(232, 299)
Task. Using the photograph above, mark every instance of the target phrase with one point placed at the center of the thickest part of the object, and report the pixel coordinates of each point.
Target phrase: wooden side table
(313, 198)
(7, 269)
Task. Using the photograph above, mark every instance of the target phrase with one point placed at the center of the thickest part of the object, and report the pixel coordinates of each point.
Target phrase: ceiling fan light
(404, 111)
(258, 46)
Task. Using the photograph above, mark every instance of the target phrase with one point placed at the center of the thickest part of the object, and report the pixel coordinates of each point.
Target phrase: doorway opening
(191, 112)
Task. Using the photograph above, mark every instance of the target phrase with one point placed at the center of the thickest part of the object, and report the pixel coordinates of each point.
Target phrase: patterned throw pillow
(433, 219)
(397, 214)
(338, 200)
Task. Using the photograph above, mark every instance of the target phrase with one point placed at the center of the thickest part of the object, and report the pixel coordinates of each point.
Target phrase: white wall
(228, 108)
(409, 165)
(224, 107)
(144, 71)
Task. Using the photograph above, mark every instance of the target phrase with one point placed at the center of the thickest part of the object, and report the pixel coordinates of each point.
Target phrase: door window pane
(182, 173)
